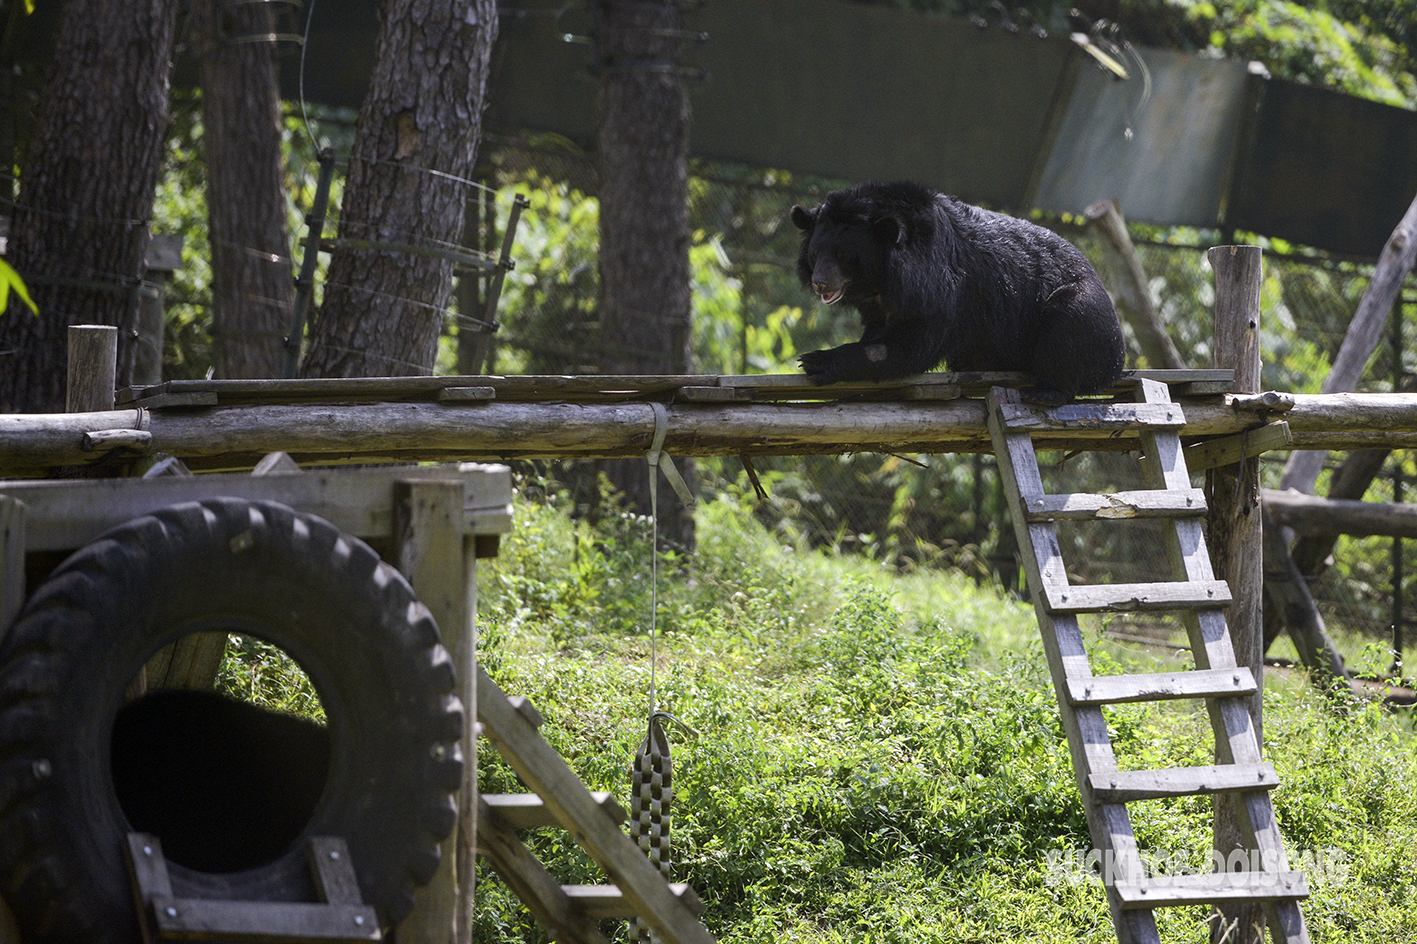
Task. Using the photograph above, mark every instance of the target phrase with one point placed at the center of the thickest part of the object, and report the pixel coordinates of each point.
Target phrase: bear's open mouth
(831, 298)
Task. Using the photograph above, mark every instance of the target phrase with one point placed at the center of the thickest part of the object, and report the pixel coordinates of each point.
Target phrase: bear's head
(846, 247)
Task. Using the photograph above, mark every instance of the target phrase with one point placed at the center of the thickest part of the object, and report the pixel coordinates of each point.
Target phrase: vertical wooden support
(12, 560)
(1236, 533)
(93, 368)
(163, 258)
(436, 556)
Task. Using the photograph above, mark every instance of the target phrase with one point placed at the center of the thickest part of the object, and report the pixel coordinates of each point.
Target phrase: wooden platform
(531, 388)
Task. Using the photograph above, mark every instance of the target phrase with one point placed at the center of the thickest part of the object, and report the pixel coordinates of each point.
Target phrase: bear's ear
(803, 218)
(889, 229)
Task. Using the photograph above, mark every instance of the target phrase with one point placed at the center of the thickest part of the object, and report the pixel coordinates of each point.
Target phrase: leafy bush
(879, 757)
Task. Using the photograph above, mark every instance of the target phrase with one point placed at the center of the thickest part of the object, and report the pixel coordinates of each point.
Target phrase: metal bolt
(41, 768)
(1236, 678)
(359, 920)
(334, 855)
(147, 850)
(171, 912)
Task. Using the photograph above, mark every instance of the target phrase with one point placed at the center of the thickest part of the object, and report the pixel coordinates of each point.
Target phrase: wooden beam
(1309, 514)
(237, 437)
(1130, 287)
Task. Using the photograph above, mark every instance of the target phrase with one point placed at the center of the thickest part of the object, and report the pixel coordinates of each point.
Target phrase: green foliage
(264, 674)
(10, 279)
(879, 758)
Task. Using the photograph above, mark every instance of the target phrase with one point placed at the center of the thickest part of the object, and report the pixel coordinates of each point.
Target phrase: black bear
(936, 279)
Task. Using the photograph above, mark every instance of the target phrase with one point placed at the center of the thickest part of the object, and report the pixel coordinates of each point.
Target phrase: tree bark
(80, 229)
(253, 288)
(389, 281)
(643, 146)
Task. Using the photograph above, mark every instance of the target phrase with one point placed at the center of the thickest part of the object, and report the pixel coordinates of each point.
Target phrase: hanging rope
(651, 792)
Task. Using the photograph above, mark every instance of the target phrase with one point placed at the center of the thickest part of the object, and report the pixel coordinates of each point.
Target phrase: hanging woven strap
(651, 796)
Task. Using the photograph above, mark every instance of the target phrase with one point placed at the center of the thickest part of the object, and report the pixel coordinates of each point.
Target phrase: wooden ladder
(1200, 599)
(637, 889)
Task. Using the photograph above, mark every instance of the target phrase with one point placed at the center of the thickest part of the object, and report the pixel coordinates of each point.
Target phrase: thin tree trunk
(80, 229)
(253, 289)
(643, 146)
(386, 295)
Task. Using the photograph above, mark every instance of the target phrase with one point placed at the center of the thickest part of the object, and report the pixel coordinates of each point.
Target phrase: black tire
(256, 568)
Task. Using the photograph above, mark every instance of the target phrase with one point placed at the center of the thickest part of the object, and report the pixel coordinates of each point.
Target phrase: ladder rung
(527, 810)
(1198, 683)
(1128, 597)
(607, 901)
(1081, 416)
(1124, 786)
(1210, 887)
(1146, 503)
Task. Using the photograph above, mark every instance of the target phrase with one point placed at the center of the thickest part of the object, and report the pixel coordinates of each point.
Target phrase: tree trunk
(253, 288)
(389, 282)
(80, 229)
(643, 145)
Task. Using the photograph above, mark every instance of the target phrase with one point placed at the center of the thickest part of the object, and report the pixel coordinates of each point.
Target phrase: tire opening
(229, 778)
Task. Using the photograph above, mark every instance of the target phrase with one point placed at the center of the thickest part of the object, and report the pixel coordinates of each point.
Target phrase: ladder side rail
(546, 772)
(1236, 742)
(1089, 741)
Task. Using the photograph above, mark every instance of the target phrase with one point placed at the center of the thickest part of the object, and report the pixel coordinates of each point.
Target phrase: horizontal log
(1309, 514)
(236, 437)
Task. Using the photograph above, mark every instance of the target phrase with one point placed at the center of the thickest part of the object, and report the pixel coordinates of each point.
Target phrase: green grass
(879, 756)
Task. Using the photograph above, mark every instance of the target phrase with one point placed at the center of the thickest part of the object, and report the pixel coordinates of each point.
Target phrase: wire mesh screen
(751, 315)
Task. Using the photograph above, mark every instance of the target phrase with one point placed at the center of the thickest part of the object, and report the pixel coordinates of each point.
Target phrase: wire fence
(751, 315)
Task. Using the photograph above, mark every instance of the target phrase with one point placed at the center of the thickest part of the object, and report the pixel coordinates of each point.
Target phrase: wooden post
(93, 368)
(12, 560)
(164, 257)
(436, 556)
(1236, 534)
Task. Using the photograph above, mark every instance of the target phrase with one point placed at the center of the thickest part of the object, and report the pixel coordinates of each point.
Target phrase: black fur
(936, 279)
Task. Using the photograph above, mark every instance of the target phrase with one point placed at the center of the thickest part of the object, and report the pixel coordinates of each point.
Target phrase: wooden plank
(1228, 450)
(607, 901)
(334, 871)
(68, 514)
(241, 922)
(714, 394)
(1135, 597)
(1147, 503)
(528, 811)
(546, 772)
(1023, 417)
(1161, 686)
(528, 879)
(12, 560)
(428, 537)
(1212, 887)
(1125, 786)
(467, 394)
